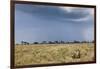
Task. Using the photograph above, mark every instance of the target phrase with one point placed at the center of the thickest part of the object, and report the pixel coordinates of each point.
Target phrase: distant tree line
(56, 42)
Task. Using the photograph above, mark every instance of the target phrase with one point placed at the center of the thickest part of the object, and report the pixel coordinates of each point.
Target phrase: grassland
(53, 53)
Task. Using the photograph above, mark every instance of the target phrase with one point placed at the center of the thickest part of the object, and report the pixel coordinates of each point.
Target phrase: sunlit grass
(53, 53)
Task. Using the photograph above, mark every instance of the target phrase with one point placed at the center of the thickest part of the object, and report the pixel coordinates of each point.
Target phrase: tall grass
(53, 53)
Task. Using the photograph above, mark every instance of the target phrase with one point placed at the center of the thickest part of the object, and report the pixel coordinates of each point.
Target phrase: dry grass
(53, 53)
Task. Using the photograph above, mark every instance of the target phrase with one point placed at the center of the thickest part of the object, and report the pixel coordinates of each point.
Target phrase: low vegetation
(53, 53)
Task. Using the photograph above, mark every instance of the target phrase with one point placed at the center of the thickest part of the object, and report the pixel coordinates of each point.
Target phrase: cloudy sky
(50, 23)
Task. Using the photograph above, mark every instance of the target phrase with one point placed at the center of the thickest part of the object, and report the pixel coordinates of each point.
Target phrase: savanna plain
(35, 54)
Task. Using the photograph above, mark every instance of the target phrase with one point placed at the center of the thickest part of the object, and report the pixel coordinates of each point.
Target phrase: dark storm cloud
(51, 12)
